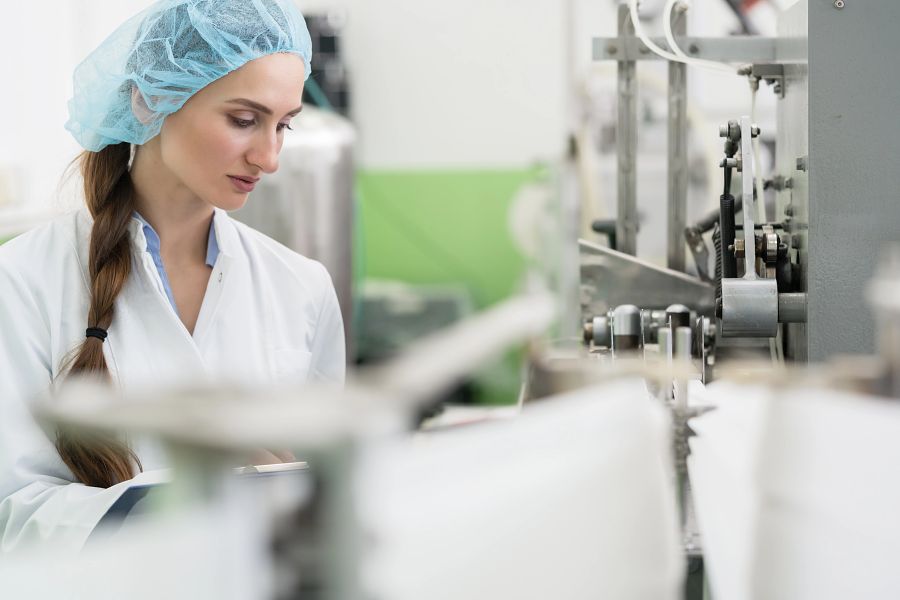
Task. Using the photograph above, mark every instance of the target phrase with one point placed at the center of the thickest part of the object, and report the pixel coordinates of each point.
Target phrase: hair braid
(97, 460)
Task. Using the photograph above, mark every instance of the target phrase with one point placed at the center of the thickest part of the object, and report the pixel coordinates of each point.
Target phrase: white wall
(40, 46)
(470, 83)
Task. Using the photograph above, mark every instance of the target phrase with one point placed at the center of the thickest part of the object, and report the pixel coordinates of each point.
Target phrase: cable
(639, 31)
(678, 55)
(670, 38)
(318, 95)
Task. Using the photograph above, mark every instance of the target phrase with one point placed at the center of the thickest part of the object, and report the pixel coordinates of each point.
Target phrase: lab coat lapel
(149, 337)
(227, 334)
(219, 280)
(147, 341)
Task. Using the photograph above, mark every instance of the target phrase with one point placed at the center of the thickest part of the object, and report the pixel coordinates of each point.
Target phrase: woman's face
(229, 134)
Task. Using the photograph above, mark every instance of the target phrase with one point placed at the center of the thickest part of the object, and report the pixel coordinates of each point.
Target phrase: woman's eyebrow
(260, 107)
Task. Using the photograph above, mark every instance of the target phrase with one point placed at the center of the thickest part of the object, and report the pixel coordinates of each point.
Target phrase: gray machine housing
(839, 146)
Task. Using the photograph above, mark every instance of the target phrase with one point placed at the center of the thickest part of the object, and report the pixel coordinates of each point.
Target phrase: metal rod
(681, 343)
(749, 209)
(626, 145)
(664, 342)
(792, 308)
(678, 160)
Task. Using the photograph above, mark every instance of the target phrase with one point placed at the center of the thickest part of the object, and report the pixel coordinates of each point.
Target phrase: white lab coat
(269, 315)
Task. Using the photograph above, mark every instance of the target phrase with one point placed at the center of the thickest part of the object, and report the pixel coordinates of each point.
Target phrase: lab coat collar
(225, 235)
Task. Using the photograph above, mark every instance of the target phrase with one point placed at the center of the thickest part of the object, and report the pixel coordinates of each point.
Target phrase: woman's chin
(234, 201)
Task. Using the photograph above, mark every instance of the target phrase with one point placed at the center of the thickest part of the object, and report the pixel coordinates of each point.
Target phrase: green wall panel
(441, 227)
(446, 227)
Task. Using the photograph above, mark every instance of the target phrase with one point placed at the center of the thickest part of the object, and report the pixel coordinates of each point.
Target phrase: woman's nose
(264, 152)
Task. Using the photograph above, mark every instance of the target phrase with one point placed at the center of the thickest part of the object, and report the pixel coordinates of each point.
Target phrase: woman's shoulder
(50, 243)
(275, 256)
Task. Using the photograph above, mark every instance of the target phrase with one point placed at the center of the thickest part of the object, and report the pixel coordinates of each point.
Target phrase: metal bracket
(771, 73)
(735, 49)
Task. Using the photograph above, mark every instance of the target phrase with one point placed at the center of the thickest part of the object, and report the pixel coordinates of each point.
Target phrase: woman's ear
(139, 107)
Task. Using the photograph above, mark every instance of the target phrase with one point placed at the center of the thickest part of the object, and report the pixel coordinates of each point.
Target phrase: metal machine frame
(828, 141)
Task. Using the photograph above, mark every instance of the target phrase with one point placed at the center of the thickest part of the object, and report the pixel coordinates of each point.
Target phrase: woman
(181, 112)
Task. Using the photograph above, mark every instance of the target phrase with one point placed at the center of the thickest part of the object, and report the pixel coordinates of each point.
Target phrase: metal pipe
(664, 343)
(678, 159)
(626, 145)
(792, 308)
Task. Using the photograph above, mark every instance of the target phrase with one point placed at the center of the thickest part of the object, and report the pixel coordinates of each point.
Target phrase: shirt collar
(153, 245)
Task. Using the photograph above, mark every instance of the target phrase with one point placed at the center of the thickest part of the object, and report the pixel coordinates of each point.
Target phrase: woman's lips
(243, 185)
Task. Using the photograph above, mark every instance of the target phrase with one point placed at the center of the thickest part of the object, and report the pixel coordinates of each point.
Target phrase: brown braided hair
(101, 460)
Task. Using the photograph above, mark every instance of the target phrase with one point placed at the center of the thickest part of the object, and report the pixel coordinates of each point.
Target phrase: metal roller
(749, 307)
(626, 328)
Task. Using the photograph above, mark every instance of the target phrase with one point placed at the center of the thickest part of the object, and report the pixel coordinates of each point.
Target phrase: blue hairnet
(169, 52)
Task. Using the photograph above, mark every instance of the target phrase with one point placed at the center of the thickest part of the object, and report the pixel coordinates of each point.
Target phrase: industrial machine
(787, 287)
(795, 275)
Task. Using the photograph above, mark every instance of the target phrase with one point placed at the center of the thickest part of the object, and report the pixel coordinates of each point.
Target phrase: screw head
(839, 4)
(611, 49)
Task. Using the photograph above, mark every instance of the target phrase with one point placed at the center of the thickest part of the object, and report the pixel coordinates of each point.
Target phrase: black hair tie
(96, 332)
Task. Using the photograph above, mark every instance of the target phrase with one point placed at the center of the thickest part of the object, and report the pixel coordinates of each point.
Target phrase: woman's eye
(242, 123)
(283, 126)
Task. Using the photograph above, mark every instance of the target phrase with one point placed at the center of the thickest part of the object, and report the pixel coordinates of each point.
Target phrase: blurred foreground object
(574, 496)
(795, 495)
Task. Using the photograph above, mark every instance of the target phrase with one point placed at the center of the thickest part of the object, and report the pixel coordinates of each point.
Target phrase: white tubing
(639, 31)
(673, 45)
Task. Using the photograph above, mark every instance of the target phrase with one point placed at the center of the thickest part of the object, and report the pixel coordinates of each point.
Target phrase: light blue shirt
(212, 253)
